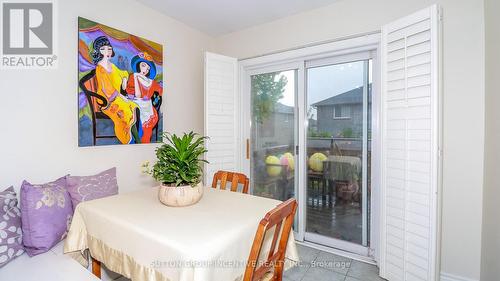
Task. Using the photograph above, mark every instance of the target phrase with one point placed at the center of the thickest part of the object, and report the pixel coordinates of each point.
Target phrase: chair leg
(323, 192)
(330, 193)
(94, 129)
(96, 268)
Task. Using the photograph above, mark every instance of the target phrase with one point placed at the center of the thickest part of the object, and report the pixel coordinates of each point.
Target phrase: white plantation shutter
(410, 136)
(220, 114)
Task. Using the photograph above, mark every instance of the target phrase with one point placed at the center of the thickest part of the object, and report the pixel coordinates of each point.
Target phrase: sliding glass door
(273, 133)
(338, 102)
(309, 138)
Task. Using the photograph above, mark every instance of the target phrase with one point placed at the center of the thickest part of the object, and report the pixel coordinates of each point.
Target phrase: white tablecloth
(138, 237)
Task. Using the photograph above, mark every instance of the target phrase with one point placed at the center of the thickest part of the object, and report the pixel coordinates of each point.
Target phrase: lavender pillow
(87, 188)
(46, 213)
(11, 244)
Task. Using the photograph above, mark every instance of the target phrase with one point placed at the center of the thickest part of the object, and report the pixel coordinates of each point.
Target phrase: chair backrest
(91, 85)
(234, 178)
(281, 220)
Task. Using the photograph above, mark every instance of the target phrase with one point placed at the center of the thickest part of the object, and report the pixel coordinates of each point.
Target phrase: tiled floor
(317, 265)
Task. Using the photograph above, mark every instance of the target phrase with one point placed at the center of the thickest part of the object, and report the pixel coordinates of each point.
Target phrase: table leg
(96, 268)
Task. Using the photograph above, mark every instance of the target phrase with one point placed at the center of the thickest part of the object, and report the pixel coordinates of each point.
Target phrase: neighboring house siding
(327, 122)
(275, 130)
(350, 101)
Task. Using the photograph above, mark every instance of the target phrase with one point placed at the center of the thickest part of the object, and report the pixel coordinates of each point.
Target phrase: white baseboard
(450, 277)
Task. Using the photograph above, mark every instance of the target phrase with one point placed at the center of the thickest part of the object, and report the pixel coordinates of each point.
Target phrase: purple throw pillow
(46, 213)
(85, 188)
(11, 241)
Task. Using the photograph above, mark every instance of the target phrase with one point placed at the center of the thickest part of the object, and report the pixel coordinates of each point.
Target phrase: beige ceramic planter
(180, 196)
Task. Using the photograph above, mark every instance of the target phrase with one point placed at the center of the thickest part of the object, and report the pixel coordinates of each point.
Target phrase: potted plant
(178, 169)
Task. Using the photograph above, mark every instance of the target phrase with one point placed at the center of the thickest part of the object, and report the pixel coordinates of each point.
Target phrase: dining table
(135, 235)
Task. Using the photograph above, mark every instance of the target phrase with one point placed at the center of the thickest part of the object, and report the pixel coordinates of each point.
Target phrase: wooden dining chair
(280, 219)
(234, 178)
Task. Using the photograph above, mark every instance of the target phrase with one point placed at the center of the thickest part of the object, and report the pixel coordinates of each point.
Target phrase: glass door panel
(273, 134)
(337, 153)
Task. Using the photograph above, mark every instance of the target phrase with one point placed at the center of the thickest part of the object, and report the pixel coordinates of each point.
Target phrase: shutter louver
(410, 136)
(220, 114)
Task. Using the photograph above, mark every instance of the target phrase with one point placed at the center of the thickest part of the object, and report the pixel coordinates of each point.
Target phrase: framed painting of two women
(120, 87)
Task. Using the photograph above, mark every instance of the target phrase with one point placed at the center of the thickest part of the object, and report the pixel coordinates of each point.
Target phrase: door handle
(248, 149)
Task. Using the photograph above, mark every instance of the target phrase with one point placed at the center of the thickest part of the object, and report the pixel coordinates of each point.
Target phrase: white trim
(450, 277)
(347, 58)
(245, 119)
(348, 46)
(336, 243)
(364, 165)
(375, 215)
(314, 44)
(285, 66)
(337, 252)
(301, 157)
(381, 145)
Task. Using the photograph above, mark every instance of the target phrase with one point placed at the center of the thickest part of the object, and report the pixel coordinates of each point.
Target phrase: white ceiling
(218, 17)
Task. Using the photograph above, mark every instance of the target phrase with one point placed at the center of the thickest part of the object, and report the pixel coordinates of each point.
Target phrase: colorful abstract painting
(120, 87)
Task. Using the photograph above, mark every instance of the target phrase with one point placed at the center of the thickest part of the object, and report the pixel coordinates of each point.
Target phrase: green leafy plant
(319, 134)
(179, 160)
(347, 133)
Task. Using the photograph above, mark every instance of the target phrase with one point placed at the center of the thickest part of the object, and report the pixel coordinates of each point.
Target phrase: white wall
(490, 269)
(463, 98)
(39, 128)
(39, 108)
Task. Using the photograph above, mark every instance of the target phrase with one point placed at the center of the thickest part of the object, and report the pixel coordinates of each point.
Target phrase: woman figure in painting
(145, 92)
(111, 84)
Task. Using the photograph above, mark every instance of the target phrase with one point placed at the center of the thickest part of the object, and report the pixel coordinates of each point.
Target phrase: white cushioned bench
(50, 266)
